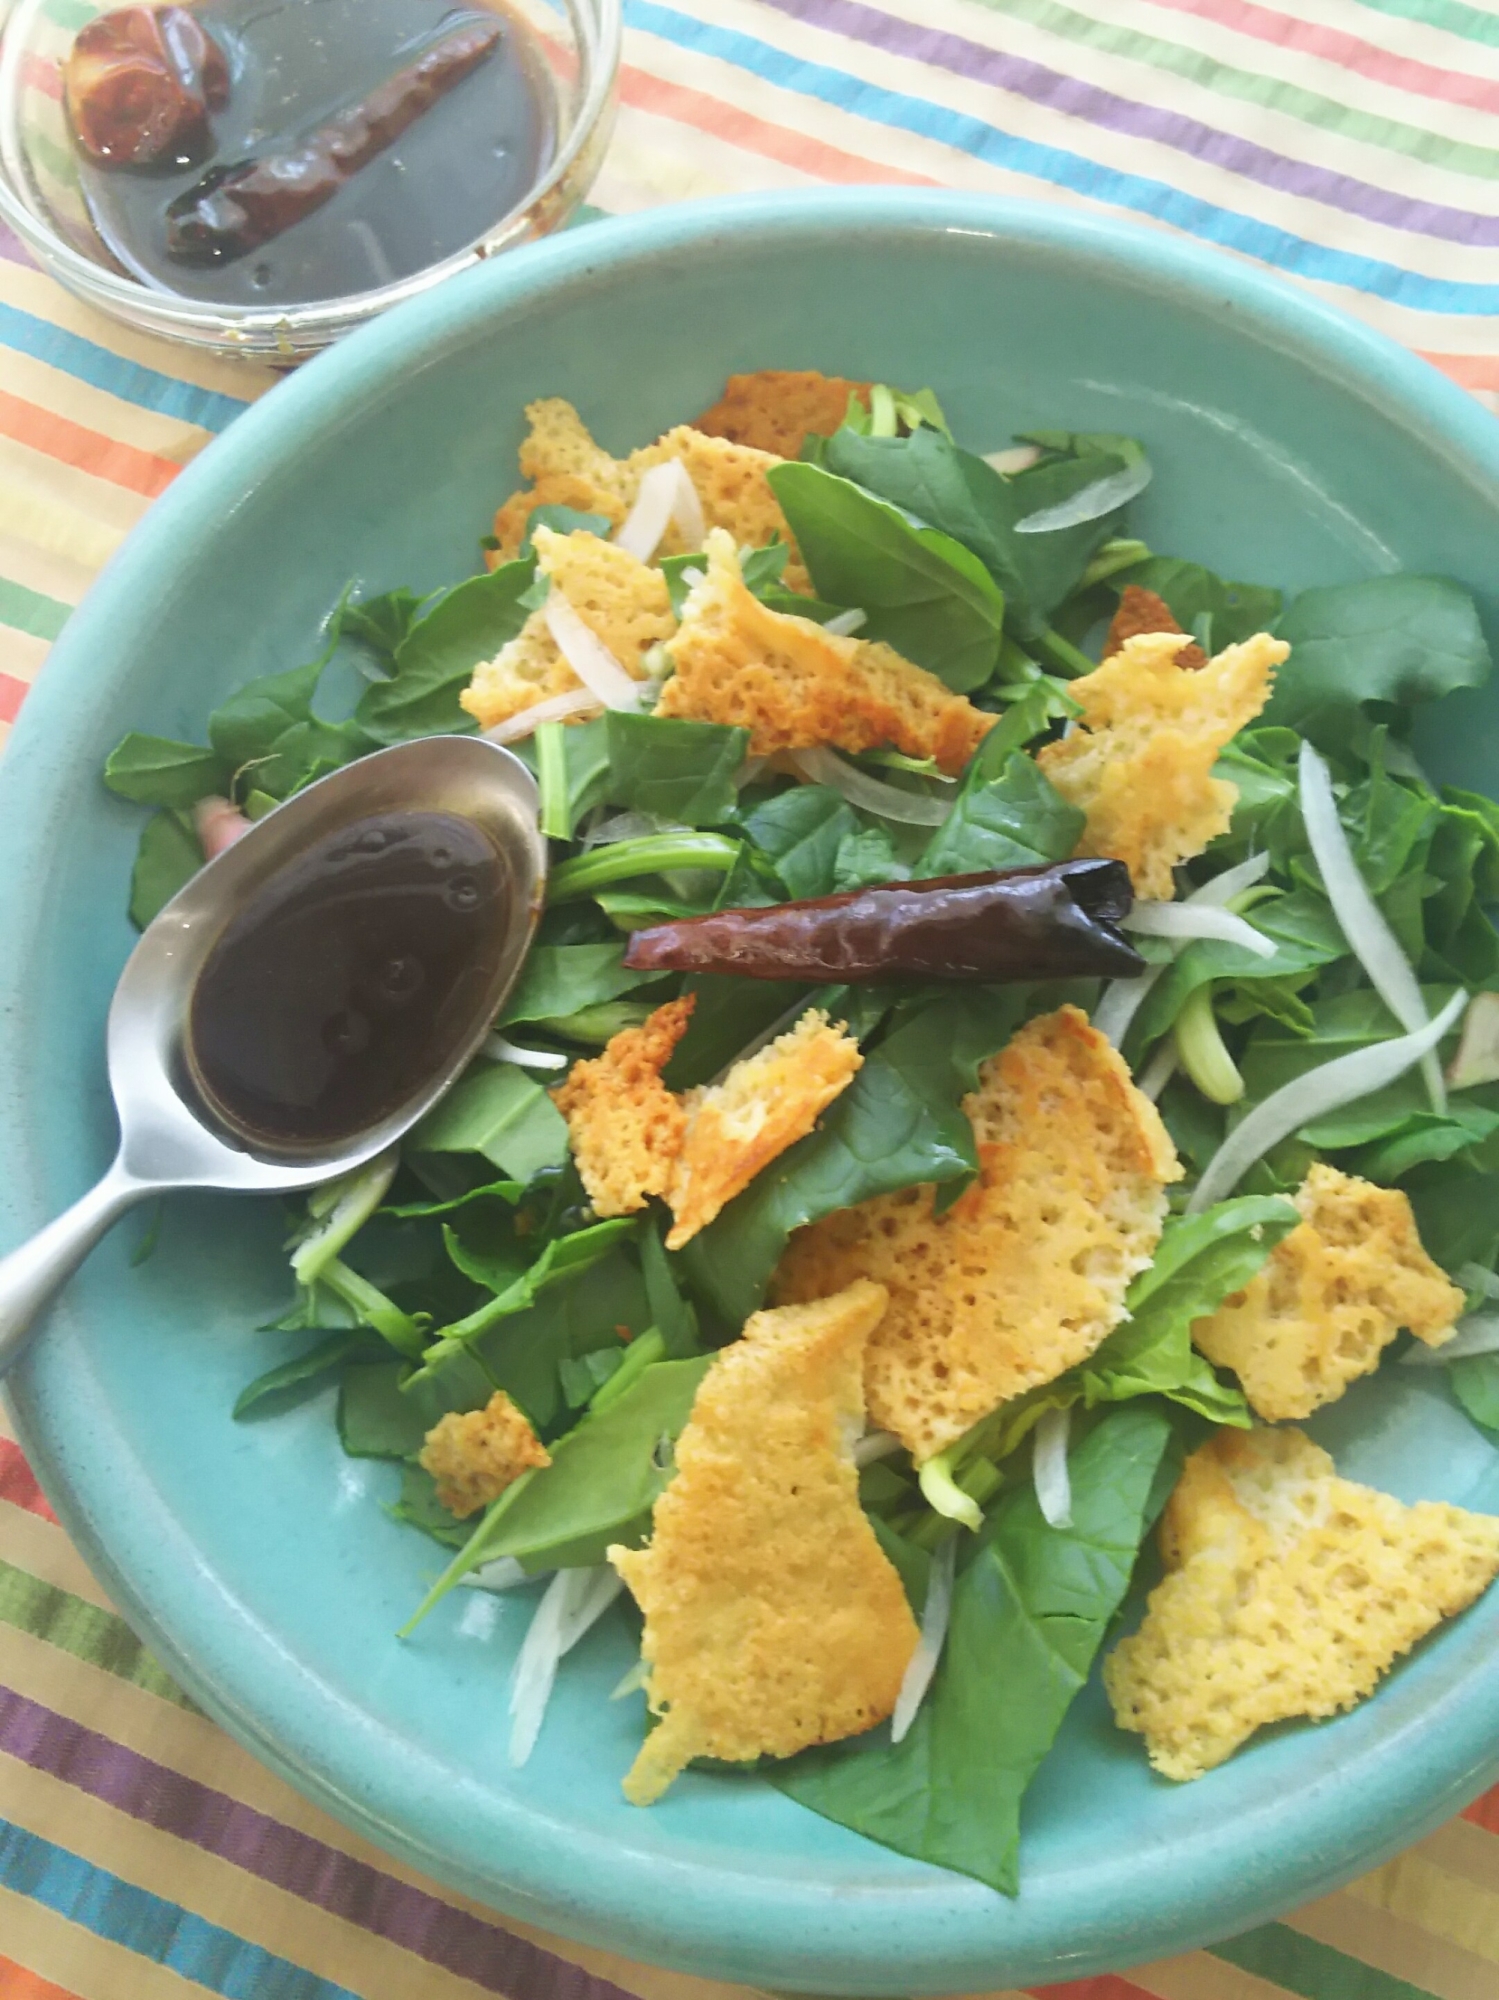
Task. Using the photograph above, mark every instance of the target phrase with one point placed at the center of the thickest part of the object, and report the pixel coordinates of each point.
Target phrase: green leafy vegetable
(290, 1380)
(801, 830)
(501, 1111)
(652, 854)
(1475, 1383)
(167, 859)
(681, 771)
(154, 771)
(1005, 816)
(382, 622)
(375, 1420)
(561, 979)
(1233, 611)
(1306, 937)
(563, 521)
(865, 858)
(436, 659)
(672, 1315)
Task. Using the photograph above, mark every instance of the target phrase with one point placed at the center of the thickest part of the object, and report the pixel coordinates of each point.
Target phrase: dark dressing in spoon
(350, 979)
(409, 176)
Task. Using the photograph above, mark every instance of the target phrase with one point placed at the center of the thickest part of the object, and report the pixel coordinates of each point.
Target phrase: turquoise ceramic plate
(1291, 446)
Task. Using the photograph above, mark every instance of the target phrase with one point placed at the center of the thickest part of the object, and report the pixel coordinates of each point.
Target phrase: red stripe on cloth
(90, 451)
(1350, 52)
(39, 74)
(755, 135)
(16, 1983)
(1105, 1986)
(12, 694)
(1484, 1812)
(17, 1480)
(1470, 371)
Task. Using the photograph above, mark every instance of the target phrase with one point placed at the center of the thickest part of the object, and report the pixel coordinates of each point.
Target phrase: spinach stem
(642, 1351)
(1070, 661)
(1112, 557)
(649, 855)
(474, 1552)
(343, 1209)
(884, 420)
(551, 777)
(1200, 1048)
(945, 1496)
(373, 1307)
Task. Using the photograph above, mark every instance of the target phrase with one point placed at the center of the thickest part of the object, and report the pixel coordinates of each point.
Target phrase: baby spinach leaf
(305, 1373)
(1342, 1023)
(1456, 1206)
(381, 623)
(248, 726)
(1306, 936)
(419, 1507)
(155, 771)
(307, 751)
(1475, 1383)
(563, 521)
(501, 1111)
(1010, 816)
(727, 1016)
(897, 1123)
(865, 858)
(677, 770)
(800, 829)
(922, 592)
(583, 1310)
(671, 1314)
(1425, 1136)
(166, 860)
(1234, 611)
(1200, 1260)
(561, 979)
(1029, 1612)
(436, 659)
(1401, 639)
(375, 1420)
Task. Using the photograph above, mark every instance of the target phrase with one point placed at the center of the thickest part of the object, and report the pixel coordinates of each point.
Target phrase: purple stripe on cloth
(976, 63)
(11, 246)
(420, 1923)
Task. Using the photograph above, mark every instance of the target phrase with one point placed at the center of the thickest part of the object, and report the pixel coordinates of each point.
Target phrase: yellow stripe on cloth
(90, 1967)
(1196, 1975)
(1375, 1937)
(66, 396)
(1414, 1887)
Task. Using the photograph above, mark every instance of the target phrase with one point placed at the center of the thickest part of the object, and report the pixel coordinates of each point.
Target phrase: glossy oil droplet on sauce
(350, 979)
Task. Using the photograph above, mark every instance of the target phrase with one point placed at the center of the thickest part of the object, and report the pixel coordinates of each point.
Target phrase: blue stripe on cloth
(185, 1944)
(111, 372)
(967, 134)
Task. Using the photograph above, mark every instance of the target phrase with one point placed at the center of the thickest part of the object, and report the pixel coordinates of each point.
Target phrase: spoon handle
(29, 1276)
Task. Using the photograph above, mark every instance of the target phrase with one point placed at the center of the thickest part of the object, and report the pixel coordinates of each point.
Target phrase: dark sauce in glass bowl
(472, 155)
(350, 978)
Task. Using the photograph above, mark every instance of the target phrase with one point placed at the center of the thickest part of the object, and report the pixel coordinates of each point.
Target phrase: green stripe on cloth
(1449, 14)
(100, 1637)
(1435, 148)
(28, 611)
(1315, 1971)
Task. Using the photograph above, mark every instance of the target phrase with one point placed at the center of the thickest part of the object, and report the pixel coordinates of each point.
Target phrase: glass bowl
(575, 45)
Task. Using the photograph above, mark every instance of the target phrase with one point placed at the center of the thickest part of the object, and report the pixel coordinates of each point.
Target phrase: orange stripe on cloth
(755, 135)
(16, 1983)
(1105, 1986)
(1484, 1812)
(1469, 371)
(18, 1486)
(90, 451)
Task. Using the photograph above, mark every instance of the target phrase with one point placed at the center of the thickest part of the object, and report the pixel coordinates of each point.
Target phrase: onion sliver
(1232, 882)
(1014, 458)
(1360, 919)
(498, 1049)
(1102, 497)
(1159, 1071)
(845, 624)
(556, 708)
(934, 1617)
(1477, 1334)
(666, 494)
(588, 656)
(629, 826)
(1121, 998)
(504, 1573)
(1049, 1468)
(1199, 920)
(1342, 1081)
(571, 1603)
(873, 1446)
(1477, 1058)
(825, 767)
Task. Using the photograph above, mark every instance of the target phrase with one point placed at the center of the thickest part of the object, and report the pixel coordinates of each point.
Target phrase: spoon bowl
(170, 1137)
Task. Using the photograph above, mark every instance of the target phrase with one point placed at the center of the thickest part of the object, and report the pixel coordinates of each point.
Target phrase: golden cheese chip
(1289, 1592)
(1140, 610)
(776, 408)
(1026, 1273)
(793, 686)
(623, 1124)
(1330, 1298)
(765, 1104)
(623, 602)
(475, 1454)
(773, 1619)
(1140, 759)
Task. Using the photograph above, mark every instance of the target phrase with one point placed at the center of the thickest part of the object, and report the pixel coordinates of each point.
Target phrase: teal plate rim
(939, 1933)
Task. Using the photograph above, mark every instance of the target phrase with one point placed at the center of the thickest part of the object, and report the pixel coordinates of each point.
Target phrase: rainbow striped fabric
(1345, 143)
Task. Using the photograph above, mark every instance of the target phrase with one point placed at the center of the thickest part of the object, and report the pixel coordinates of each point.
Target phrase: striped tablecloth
(1351, 144)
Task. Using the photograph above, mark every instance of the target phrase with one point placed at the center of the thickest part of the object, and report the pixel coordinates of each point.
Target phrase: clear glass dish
(574, 46)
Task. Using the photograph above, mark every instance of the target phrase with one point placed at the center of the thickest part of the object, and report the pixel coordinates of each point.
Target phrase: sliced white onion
(497, 1049)
(1477, 1334)
(556, 708)
(1232, 882)
(570, 1604)
(1477, 1058)
(629, 826)
(1102, 497)
(666, 494)
(1049, 1468)
(825, 767)
(934, 1617)
(1197, 920)
(1159, 1071)
(1342, 1081)
(1360, 919)
(845, 624)
(504, 1573)
(1014, 458)
(873, 1446)
(1121, 998)
(632, 1679)
(748, 771)
(692, 576)
(588, 656)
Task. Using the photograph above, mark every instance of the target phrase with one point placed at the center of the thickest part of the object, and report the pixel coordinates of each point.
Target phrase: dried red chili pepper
(1055, 922)
(139, 84)
(237, 207)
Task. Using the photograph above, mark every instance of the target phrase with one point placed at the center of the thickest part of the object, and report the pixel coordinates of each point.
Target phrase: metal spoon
(168, 1137)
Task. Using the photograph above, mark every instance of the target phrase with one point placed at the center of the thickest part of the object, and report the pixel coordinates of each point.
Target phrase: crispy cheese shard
(1026, 1273)
(794, 686)
(776, 408)
(1330, 1298)
(765, 1104)
(566, 468)
(1289, 1592)
(1140, 760)
(475, 1454)
(623, 1124)
(1141, 610)
(623, 602)
(773, 1619)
